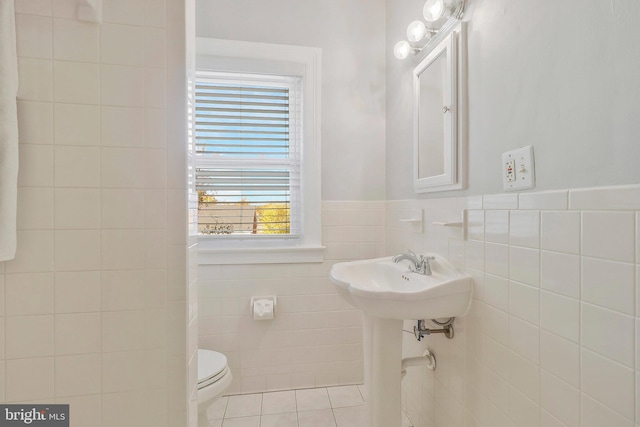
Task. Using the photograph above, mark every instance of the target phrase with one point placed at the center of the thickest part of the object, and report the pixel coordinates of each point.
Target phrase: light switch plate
(518, 169)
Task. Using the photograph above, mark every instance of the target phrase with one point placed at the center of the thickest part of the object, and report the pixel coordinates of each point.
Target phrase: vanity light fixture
(418, 31)
(403, 48)
(434, 10)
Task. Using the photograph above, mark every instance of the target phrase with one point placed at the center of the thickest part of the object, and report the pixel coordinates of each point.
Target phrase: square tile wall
(551, 338)
(93, 308)
(316, 337)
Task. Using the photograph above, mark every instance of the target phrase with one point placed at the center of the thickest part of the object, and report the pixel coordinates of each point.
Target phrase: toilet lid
(210, 364)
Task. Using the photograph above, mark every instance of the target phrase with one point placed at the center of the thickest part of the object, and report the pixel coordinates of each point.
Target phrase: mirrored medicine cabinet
(439, 161)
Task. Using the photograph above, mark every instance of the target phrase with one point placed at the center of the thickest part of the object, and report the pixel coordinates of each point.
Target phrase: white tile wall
(35, 79)
(497, 259)
(75, 41)
(552, 335)
(524, 228)
(34, 36)
(608, 382)
(77, 124)
(524, 302)
(524, 265)
(78, 333)
(38, 129)
(560, 315)
(609, 235)
(496, 226)
(560, 399)
(560, 273)
(37, 7)
(76, 83)
(560, 357)
(315, 338)
(560, 231)
(90, 308)
(496, 292)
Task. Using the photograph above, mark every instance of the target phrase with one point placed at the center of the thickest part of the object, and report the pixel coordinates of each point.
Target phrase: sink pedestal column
(382, 344)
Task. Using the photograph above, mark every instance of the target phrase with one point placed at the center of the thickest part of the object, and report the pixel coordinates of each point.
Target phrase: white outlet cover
(525, 177)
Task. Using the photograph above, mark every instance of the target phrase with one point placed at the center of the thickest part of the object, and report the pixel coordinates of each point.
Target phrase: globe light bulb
(433, 10)
(416, 31)
(402, 49)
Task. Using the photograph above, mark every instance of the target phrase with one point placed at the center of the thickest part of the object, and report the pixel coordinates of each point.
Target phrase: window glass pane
(234, 120)
(243, 201)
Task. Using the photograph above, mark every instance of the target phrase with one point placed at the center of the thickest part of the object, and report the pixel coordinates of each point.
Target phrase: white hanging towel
(8, 131)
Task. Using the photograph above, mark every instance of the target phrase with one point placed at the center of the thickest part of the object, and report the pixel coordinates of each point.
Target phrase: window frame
(260, 58)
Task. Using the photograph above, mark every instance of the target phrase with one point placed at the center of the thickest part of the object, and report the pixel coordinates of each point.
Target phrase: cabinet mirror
(437, 152)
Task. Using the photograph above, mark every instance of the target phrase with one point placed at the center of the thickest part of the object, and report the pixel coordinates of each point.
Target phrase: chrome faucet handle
(424, 258)
(425, 264)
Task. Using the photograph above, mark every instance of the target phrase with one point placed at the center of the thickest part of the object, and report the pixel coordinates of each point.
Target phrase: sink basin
(389, 290)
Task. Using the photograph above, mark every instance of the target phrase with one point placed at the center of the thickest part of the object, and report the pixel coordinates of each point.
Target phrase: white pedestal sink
(390, 293)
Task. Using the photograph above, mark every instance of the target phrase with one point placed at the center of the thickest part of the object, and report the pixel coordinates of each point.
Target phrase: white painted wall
(351, 35)
(561, 76)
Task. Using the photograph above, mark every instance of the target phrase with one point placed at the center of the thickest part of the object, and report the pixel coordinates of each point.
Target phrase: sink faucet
(421, 263)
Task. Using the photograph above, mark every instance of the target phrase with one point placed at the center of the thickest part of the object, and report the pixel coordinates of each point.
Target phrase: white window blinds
(248, 140)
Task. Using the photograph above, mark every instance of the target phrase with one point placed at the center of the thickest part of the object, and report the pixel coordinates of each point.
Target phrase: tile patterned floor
(318, 407)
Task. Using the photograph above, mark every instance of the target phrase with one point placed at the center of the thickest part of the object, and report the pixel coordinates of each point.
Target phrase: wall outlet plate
(518, 171)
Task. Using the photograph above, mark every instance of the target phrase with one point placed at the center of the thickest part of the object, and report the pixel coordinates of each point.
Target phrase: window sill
(270, 255)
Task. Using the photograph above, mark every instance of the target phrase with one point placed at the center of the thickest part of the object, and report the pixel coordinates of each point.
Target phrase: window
(248, 140)
(257, 152)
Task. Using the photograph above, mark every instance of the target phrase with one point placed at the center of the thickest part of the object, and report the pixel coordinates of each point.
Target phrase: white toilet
(214, 377)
